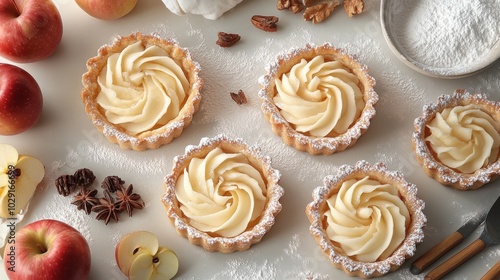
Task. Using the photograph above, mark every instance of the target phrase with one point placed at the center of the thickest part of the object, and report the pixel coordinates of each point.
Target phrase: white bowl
(390, 21)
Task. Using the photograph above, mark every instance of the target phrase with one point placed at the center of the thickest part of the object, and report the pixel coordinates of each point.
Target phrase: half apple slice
(132, 245)
(19, 178)
(163, 265)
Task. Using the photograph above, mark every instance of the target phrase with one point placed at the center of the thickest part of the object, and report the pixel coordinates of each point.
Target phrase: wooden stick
(436, 252)
(493, 273)
(455, 261)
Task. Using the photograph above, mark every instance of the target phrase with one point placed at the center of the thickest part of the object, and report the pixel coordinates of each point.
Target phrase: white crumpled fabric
(210, 9)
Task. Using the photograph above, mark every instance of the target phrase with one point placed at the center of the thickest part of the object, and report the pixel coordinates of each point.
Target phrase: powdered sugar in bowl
(440, 38)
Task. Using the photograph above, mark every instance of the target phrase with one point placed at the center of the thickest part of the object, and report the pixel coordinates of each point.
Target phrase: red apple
(47, 249)
(21, 100)
(30, 30)
(107, 9)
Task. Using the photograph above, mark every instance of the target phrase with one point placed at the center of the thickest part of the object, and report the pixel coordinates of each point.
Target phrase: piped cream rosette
(222, 194)
(457, 140)
(141, 91)
(367, 220)
(319, 99)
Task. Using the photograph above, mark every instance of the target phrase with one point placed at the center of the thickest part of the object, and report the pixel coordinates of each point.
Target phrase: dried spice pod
(112, 183)
(85, 200)
(128, 200)
(84, 177)
(107, 208)
(65, 184)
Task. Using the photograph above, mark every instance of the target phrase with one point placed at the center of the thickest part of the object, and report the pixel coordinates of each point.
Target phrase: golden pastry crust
(432, 166)
(153, 138)
(257, 229)
(408, 193)
(300, 141)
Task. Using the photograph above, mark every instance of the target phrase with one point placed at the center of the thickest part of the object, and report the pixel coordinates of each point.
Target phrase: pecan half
(227, 39)
(266, 23)
(239, 97)
(293, 5)
(354, 7)
(320, 12)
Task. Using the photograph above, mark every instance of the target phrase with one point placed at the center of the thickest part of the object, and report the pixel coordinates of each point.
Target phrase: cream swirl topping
(318, 97)
(464, 138)
(141, 88)
(367, 219)
(221, 193)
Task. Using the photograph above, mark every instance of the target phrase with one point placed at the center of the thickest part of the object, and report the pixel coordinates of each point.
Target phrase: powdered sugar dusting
(244, 240)
(317, 145)
(60, 208)
(407, 249)
(149, 139)
(262, 267)
(440, 172)
(436, 36)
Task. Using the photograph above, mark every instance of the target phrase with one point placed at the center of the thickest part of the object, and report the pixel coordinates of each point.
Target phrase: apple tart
(141, 91)
(319, 99)
(367, 220)
(222, 195)
(457, 140)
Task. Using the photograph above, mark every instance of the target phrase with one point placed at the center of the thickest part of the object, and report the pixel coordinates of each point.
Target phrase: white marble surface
(66, 140)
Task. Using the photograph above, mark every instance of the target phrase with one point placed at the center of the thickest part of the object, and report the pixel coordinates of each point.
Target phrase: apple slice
(163, 265)
(17, 190)
(32, 173)
(8, 156)
(133, 245)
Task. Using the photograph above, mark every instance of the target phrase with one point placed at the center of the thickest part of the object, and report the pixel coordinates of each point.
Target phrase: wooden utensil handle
(436, 252)
(455, 261)
(493, 273)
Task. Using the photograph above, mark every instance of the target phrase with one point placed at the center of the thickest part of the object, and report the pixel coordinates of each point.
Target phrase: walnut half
(321, 11)
(354, 7)
(293, 5)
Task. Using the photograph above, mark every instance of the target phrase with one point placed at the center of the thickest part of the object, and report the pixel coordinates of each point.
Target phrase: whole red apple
(47, 250)
(21, 100)
(107, 9)
(30, 30)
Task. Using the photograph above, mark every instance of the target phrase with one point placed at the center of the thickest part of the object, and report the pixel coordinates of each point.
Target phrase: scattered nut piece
(320, 12)
(293, 5)
(227, 39)
(283, 4)
(239, 97)
(309, 3)
(266, 23)
(354, 7)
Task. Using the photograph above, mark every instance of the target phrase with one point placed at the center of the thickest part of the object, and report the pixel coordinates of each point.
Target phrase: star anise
(107, 208)
(85, 200)
(65, 184)
(129, 200)
(112, 183)
(84, 177)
